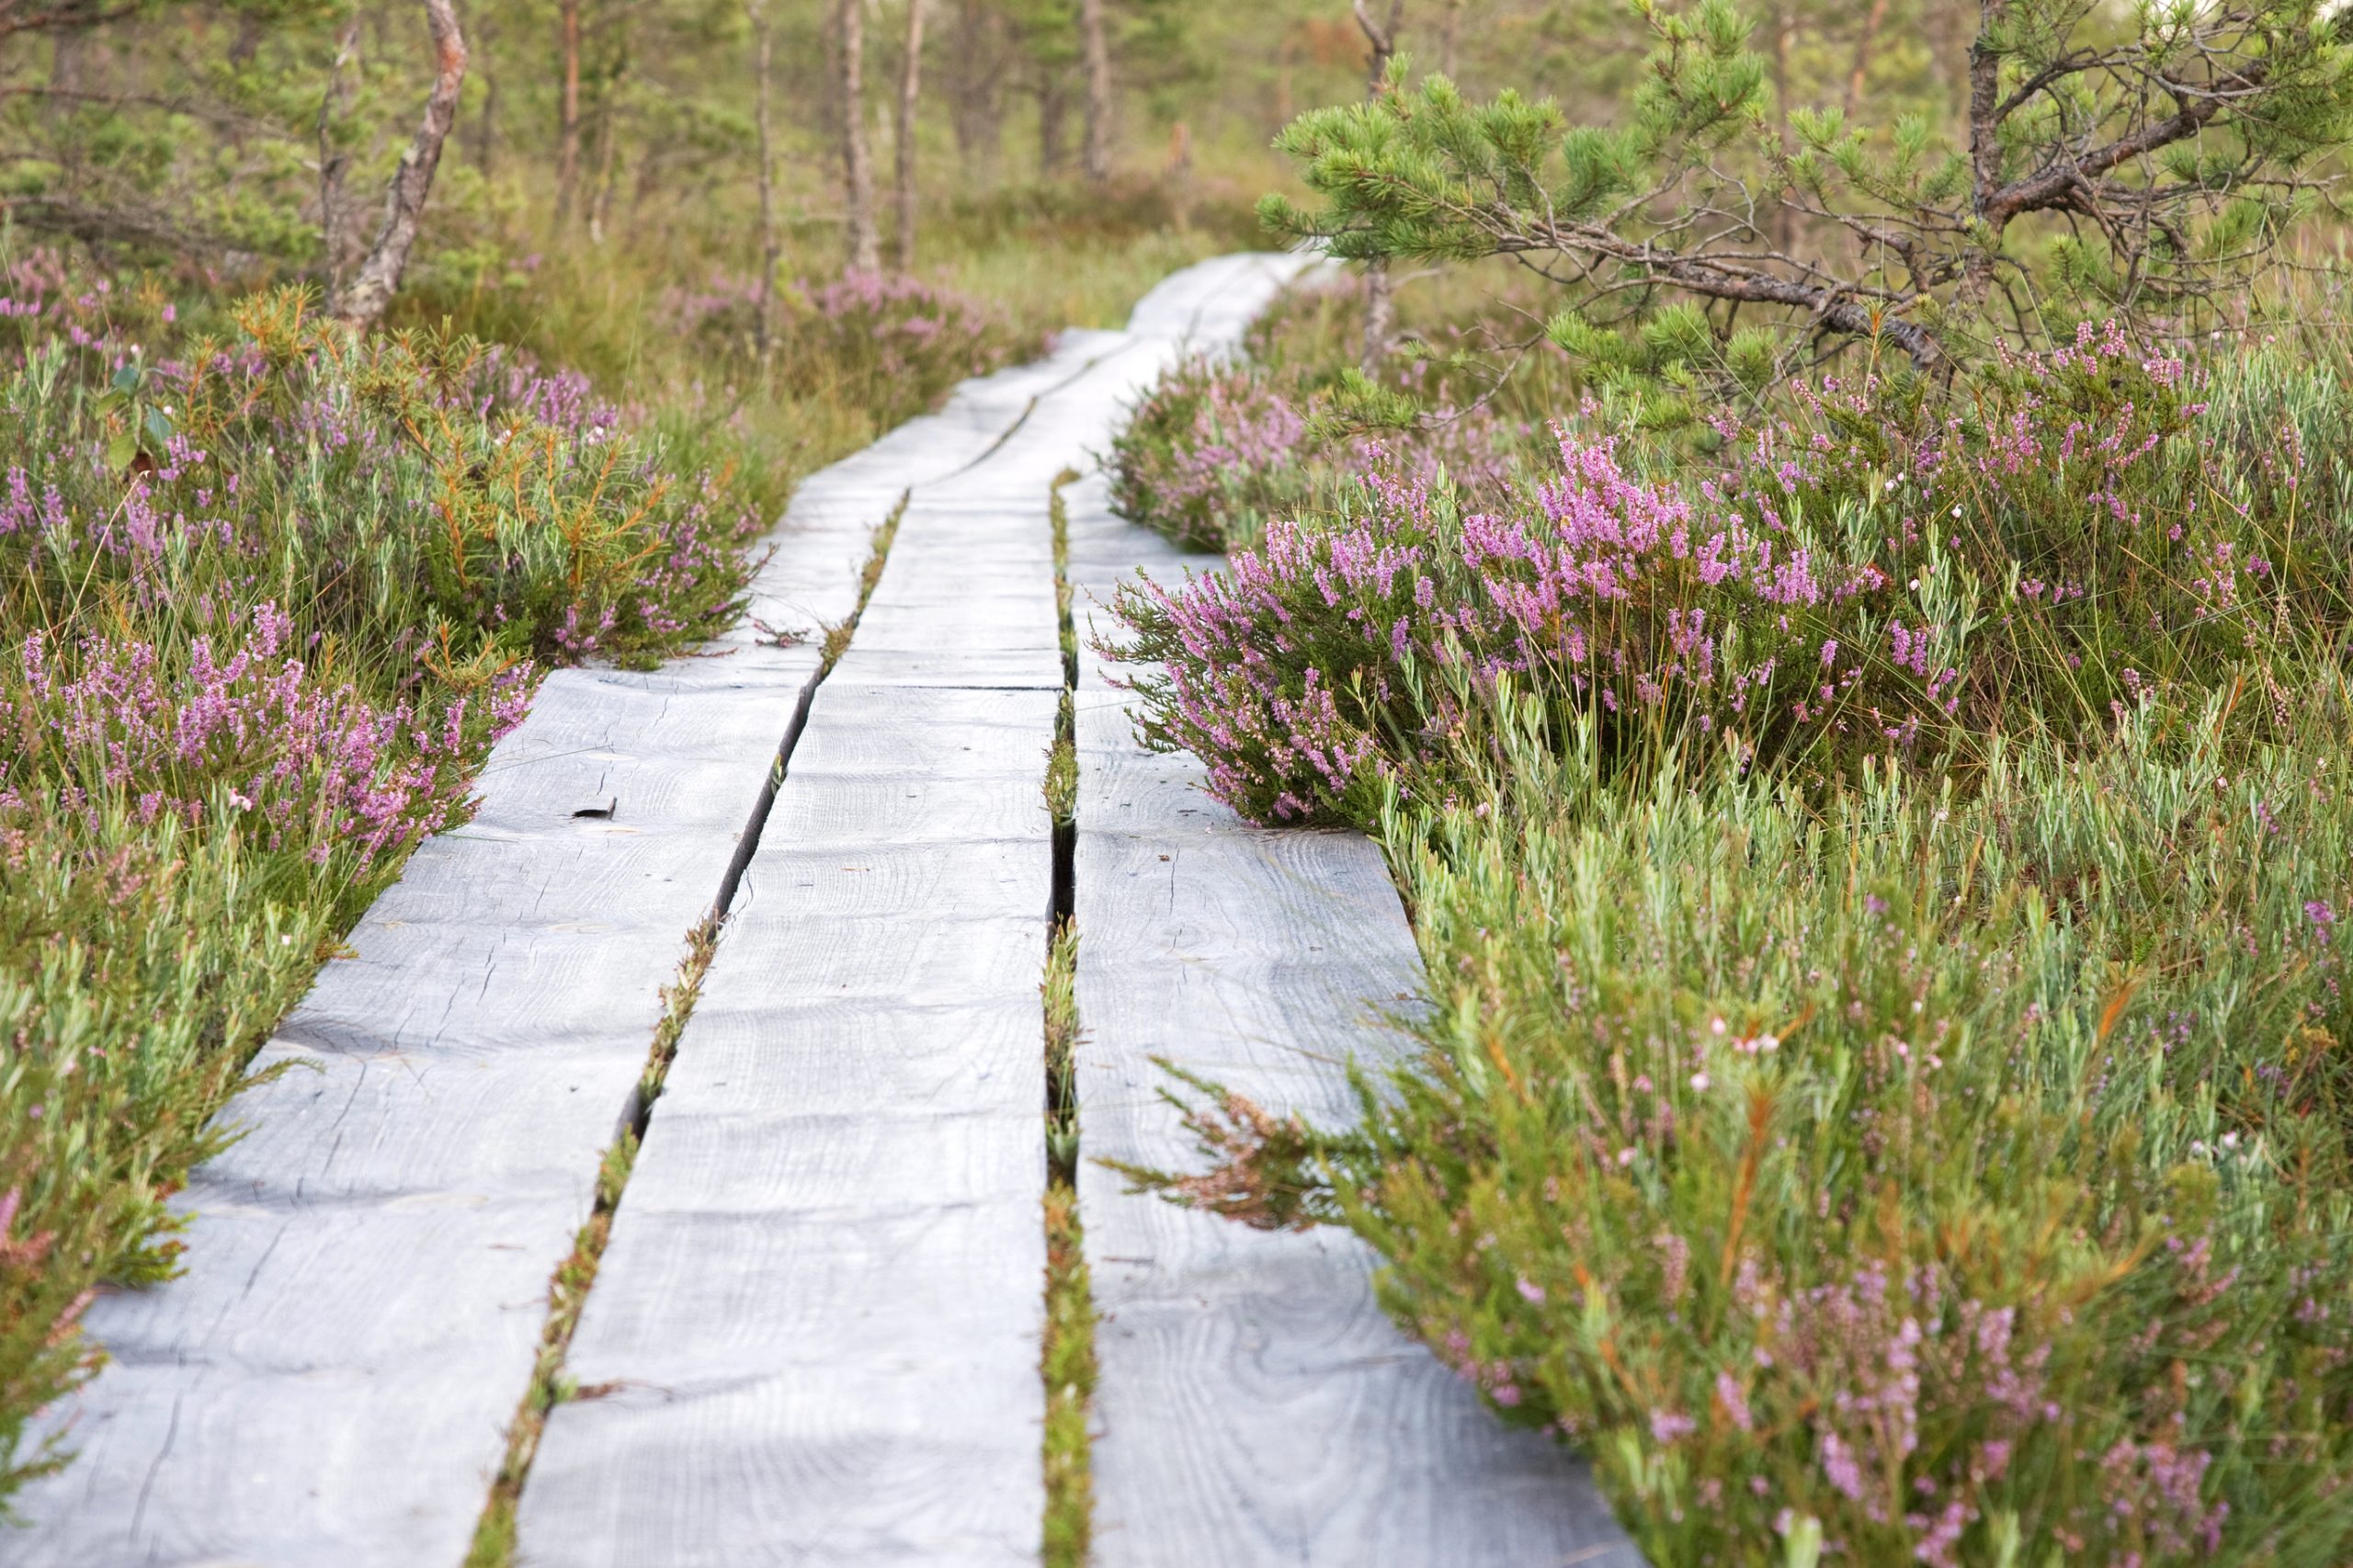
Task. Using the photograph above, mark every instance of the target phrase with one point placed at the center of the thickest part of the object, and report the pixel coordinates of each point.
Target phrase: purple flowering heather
(886, 341)
(250, 733)
(1859, 579)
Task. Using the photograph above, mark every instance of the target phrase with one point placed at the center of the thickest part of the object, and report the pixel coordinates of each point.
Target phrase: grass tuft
(1068, 1368)
(877, 556)
(494, 1542)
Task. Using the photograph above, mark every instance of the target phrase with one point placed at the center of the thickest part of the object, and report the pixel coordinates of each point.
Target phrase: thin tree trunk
(829, 107)
(1098, 91)
(486, 126)
(1785, 27)
(858, 161)
(65, 60)
(1946, 34)
(1383, 41)
(1379, 305)
(1179, 178)
(1985, 151)
(362, 305)
(1052, 110)
(567, 125)
(772, 244)
(1851, 242)
(1864, 43)
(334, 240)
(980, 130)
(601, 196)
(910, 84)
(1445, 39)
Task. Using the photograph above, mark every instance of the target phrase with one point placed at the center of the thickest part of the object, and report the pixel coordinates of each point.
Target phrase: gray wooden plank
(819, 1313)
(1253, 1405)
(833, 1301)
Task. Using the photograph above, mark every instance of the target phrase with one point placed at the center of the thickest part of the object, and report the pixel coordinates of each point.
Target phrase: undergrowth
(1879, 869)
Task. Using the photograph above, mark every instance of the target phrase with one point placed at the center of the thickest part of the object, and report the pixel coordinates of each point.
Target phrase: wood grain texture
(1253, 1405)
(819, 1311)
(815, 1331)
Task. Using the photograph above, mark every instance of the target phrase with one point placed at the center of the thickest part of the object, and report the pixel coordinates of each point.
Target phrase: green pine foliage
(2142, 167)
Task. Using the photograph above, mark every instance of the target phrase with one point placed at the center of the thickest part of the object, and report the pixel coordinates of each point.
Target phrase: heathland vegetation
(1827, 571)
(1868, 774)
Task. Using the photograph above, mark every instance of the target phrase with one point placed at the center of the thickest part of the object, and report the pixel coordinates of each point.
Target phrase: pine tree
(2144, 168)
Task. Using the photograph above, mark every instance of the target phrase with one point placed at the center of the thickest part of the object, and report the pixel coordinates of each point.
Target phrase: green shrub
(1876, 573)
(1911, 1176)
(1210, 454)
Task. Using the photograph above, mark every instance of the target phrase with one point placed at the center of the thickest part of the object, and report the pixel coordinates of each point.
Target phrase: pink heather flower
(1735, 1402)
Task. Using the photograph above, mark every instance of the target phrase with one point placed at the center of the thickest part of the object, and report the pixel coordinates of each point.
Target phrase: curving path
(814, 1335)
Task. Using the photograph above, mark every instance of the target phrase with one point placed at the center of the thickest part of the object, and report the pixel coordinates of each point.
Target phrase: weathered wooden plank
(1253, 1405)
(821, 1310)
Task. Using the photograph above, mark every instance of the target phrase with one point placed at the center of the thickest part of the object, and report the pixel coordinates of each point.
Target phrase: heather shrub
(194, 734)
(1907, 1175)
(1874, 573)
(890, 342)
(421, 486)
(1210, 454)
(1217, 451)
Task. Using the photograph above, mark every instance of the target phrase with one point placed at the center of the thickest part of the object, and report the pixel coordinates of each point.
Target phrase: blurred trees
(264, 135)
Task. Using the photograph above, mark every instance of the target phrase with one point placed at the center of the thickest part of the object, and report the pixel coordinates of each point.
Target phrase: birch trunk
(771, 246)
(362, 305)
(910, 85)
(1098, 91)
(567, 126)
(858, 161)
(1379, 306)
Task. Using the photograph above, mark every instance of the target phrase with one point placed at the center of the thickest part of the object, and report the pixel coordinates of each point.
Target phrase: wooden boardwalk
(814, 1336)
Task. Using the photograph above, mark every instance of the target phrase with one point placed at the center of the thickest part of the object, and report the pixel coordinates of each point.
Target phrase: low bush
(892, 343)
(1873, 574)
(1209, 455)
(1218, 452)
(1906, 1175)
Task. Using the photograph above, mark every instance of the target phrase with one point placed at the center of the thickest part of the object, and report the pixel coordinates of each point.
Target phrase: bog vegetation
(1827, 571)
(1867, 775)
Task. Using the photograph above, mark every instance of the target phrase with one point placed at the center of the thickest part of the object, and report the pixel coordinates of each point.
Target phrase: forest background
(617, 168)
